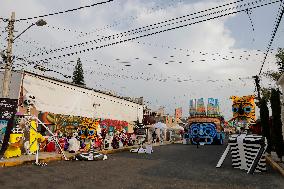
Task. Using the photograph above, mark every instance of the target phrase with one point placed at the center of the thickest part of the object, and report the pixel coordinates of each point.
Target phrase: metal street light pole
(8, 66)
(40, 22)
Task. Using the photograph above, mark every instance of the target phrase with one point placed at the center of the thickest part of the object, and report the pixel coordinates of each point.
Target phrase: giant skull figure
(29, 100)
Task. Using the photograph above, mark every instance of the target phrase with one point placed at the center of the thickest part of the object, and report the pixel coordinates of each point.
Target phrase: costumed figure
(247, 150)
(15, 143)
(124, 138)
(88, 131)
(108, 141)
(115, 141)
(29, 101)
(74, 143)
(141, 137)
(32, 145)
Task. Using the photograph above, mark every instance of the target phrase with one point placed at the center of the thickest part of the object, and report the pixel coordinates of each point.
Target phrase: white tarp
(176, 127)
(61, 98)
(160, 125)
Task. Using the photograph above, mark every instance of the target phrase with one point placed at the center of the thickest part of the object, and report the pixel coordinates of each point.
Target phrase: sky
(213, 58)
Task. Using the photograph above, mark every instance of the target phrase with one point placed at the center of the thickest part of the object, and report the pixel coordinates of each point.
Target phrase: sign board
(8, 107)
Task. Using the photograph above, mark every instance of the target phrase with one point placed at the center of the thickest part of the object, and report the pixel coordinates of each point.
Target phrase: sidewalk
(53, 156)
(273, 161)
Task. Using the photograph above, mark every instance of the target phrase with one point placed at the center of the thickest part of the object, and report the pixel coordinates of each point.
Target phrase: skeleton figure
(29, 100)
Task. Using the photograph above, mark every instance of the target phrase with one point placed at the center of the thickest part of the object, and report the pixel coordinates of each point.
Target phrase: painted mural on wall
(69, 124)
(113, 125)
(243, 110)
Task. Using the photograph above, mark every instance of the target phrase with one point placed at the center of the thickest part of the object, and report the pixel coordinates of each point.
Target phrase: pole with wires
(8, 66)
(256, 79)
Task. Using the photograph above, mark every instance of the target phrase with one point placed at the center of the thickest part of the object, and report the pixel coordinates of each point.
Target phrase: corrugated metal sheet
(15, 84)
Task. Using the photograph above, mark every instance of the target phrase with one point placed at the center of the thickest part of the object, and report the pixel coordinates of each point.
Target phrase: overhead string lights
(141, 36)
(39, 67)
(189, 52)
(94, 71)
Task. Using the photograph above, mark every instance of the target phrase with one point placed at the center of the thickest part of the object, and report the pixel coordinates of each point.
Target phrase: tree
(280, 60)
(78, 74)
(276, 123)
(264, 122)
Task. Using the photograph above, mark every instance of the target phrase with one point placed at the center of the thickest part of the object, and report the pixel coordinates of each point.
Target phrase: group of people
(102, 140)
(156, 138)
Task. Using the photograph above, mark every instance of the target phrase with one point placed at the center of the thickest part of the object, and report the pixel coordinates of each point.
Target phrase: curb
(274, 165)
(59, 157)
(21, 162)
(11, 164)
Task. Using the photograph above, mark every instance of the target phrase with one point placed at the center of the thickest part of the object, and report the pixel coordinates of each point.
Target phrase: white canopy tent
(160, 125)
(176, 127)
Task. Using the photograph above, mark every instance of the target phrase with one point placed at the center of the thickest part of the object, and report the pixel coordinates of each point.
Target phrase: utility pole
(8, 66)
(256, 79)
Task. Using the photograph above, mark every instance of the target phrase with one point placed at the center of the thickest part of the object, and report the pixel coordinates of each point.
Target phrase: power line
(153, 33)
(156, 25)
(277, 22)
(124, 33)
(115, 23)
(60, 12)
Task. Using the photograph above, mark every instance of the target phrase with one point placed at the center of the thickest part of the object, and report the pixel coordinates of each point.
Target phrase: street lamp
(8, 66)
(40, 22)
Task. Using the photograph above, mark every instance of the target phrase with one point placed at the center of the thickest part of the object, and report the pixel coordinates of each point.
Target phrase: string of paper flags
(156, 25)
(149, 34)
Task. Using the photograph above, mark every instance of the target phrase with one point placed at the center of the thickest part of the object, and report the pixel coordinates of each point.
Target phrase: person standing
(154, 135)
(197, 141)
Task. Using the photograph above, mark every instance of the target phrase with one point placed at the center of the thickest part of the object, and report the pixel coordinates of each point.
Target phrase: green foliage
(280, 60)
(266, 93)
(275, 75)
(276, 122)
(78, 74)
(264, 118)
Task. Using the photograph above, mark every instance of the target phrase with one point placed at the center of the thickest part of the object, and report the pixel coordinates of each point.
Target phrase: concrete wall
(61, 98)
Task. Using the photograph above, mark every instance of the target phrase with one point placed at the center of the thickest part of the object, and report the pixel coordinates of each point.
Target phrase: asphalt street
(170, 166)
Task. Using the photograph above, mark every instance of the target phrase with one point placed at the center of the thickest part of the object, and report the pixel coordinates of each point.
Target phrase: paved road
(171, 166)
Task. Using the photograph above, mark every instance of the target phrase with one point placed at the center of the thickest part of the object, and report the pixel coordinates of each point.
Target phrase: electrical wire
(60, 12)
(277, 22)
(154, 33)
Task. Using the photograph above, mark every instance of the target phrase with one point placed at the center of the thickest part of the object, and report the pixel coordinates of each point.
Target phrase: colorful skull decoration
(203, 130)
(244, 108)
(88, 128)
